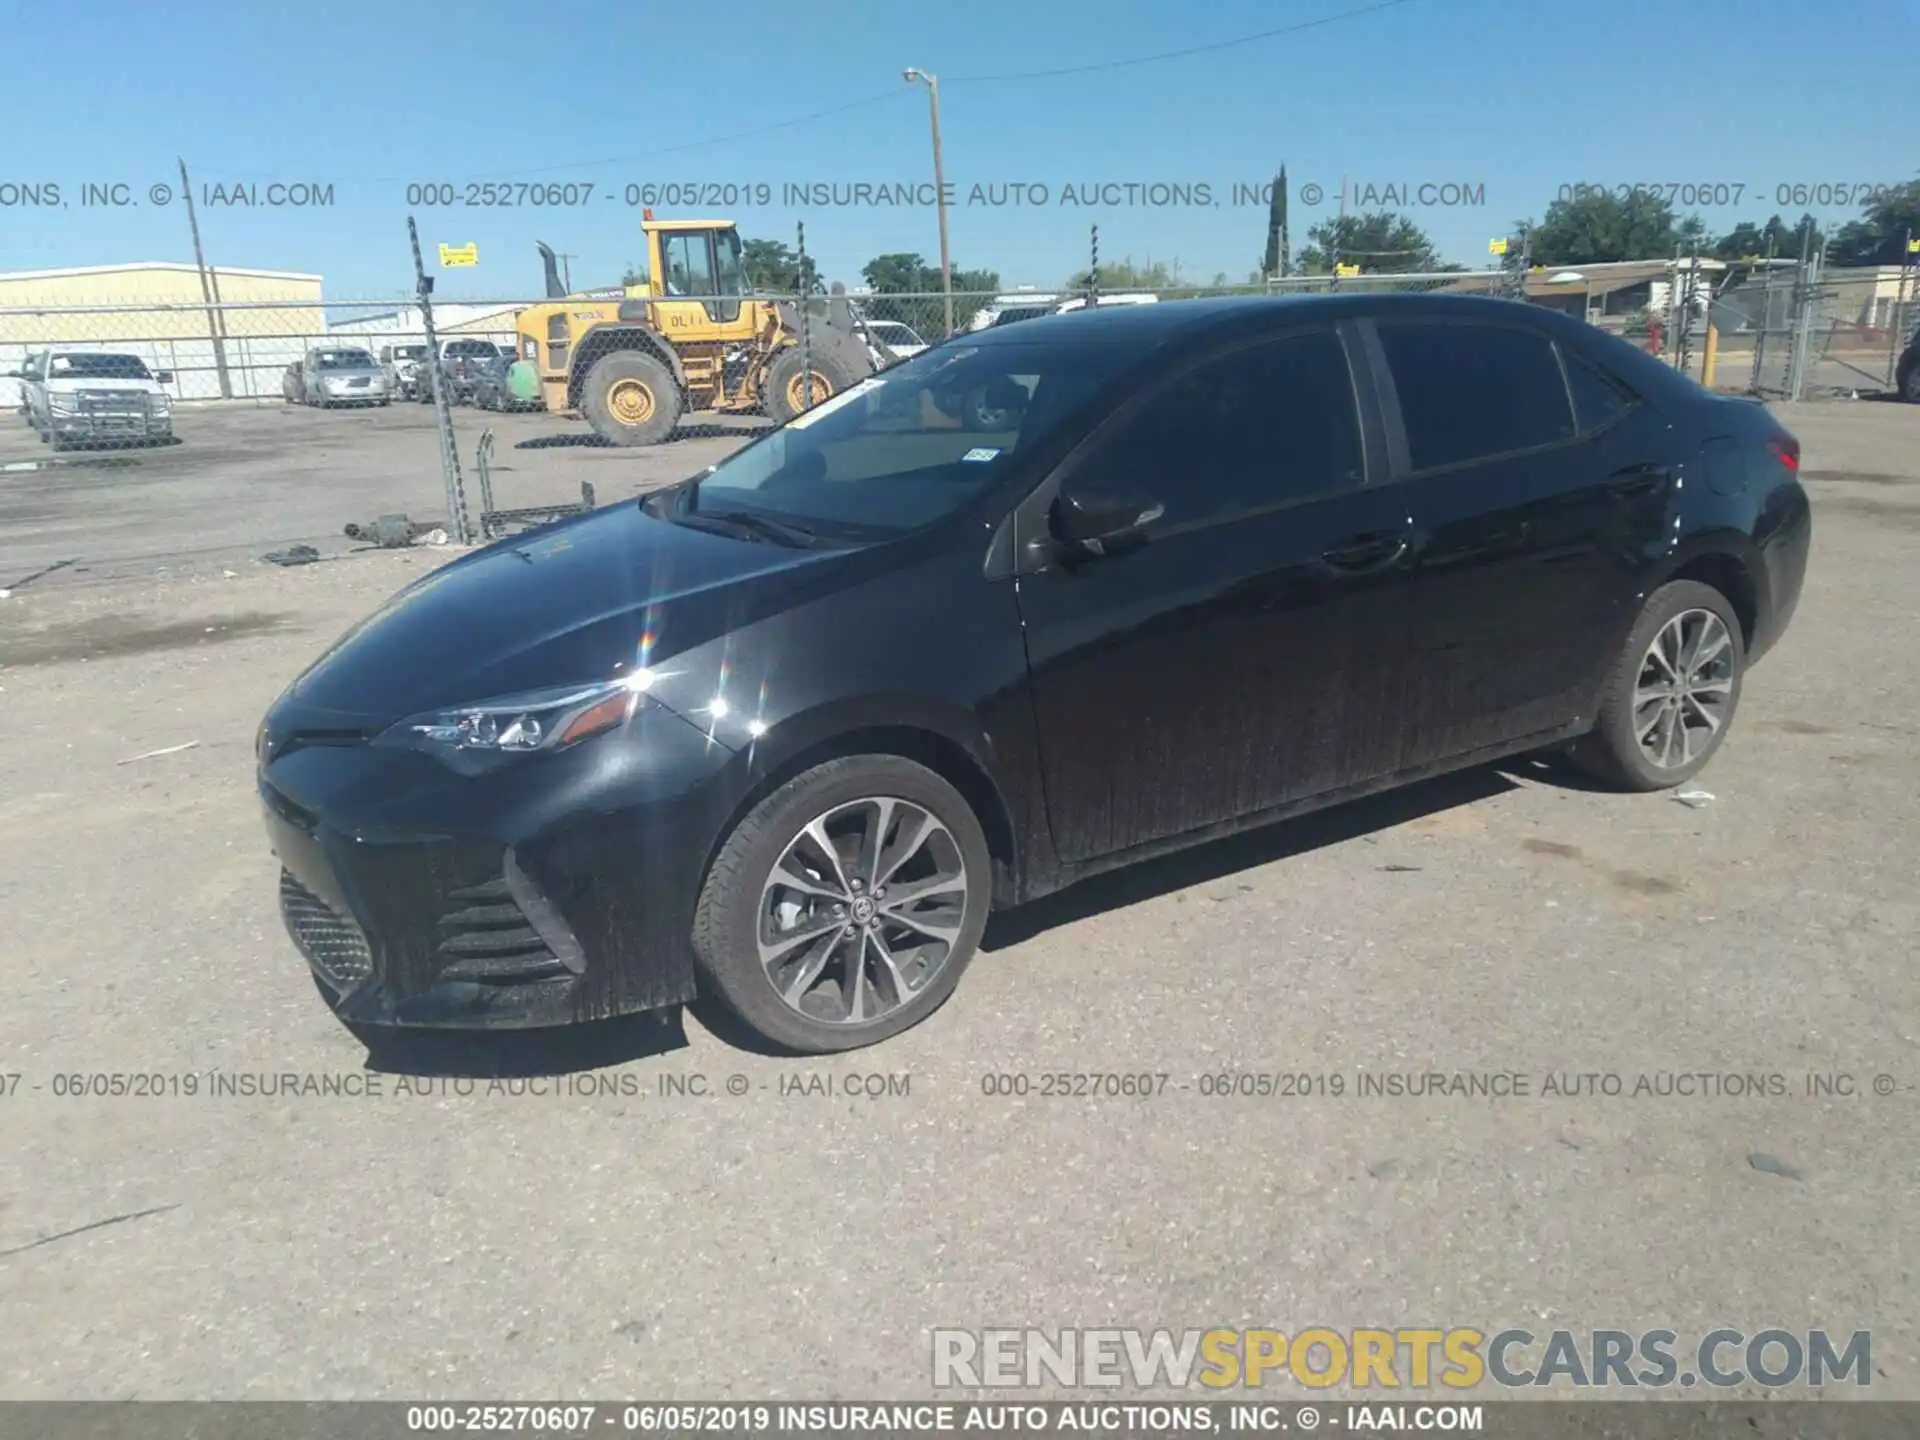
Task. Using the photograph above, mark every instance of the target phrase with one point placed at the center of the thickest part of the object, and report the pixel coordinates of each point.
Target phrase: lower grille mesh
(333, 944)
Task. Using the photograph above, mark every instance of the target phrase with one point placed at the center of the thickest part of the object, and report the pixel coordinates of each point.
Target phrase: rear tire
(1651, 733)
(894, 971)
(785, 395)
(631, 398)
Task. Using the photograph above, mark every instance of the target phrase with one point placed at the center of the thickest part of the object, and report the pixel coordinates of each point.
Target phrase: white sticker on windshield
(983, 452)
(828, 406)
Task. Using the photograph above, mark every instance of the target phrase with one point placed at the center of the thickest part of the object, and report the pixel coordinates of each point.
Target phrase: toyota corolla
(1040, 602)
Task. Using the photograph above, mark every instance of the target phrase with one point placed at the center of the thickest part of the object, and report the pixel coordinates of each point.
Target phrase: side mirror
(163, 377)
(1102, 523)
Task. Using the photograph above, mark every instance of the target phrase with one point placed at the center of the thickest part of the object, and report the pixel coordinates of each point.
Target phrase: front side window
(1468, 392)
(1256, 427)
(902, 450)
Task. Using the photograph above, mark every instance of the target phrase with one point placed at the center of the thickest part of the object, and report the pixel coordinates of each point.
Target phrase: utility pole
(449, 447)
(209, 290)
(932, 82)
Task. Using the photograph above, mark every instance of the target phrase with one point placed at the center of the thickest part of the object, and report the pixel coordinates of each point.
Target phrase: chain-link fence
(225, 399)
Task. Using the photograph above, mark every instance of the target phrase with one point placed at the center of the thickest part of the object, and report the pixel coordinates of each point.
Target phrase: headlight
(521, 724)
(64, 404)
(160, 402)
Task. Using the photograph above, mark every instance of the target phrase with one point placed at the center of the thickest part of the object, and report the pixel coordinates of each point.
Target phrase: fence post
(1896, 312)
(806, 326)
(1766, 320)
(443, 412)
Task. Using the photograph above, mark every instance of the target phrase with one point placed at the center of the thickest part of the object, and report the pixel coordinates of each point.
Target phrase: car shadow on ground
(1218, 859)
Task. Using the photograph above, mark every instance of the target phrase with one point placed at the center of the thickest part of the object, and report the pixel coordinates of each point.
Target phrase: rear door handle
(1374, 550)
(1638, 480)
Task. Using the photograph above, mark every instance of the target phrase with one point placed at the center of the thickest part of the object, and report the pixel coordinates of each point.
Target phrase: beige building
(155, 309)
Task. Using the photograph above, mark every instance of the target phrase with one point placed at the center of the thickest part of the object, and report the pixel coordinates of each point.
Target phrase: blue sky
(1517, 99)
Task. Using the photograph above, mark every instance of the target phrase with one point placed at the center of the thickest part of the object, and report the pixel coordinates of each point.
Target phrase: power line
(1294, 29)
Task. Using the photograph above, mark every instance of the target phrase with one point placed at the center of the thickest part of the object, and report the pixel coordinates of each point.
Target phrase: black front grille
(486, 936)
(333, 944)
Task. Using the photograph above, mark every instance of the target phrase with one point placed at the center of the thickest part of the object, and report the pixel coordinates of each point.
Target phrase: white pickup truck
(84, 396)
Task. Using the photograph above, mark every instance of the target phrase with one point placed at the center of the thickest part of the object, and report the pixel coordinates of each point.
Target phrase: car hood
(568, 604)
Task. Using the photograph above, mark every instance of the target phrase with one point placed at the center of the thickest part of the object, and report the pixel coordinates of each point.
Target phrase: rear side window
(1255, 427)
(1598, 399)
(1471, 391)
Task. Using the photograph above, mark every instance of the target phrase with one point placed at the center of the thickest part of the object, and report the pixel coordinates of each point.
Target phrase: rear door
(1477, 413)
(1248, 653)
(1526, 519)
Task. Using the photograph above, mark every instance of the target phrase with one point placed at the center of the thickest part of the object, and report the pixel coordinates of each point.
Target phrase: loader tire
(631, 398)
(786, 393)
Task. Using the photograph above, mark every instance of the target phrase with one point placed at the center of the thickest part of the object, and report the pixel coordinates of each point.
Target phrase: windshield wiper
(782, 532)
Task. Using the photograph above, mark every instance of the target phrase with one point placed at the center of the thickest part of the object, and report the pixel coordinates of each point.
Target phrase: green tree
(1125, 275)
(774, 267)
(1881, 237)
(634, 274)
(1383, 243)
(902, 273)
(1601, 228)
(1748, 239)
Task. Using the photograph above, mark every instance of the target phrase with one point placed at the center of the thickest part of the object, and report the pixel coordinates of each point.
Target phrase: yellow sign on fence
(452, 255)
(1496, 247)
(1346, 269)
(1913, 247)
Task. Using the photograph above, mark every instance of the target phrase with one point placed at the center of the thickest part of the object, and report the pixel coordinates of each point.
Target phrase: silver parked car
(342, 376)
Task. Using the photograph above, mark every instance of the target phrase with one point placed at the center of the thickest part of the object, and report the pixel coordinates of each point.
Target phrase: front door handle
(1374, 550)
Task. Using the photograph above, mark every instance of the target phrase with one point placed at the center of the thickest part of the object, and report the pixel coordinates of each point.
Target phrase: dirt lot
(610, 1236)
(245, 479)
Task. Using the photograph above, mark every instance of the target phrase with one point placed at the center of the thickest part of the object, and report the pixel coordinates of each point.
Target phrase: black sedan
(1036, 604)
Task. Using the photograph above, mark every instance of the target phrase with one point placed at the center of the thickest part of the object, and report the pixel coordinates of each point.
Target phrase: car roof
(1183, 320)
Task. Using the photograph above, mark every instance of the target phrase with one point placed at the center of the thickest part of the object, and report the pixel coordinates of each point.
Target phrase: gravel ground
(616, 1234)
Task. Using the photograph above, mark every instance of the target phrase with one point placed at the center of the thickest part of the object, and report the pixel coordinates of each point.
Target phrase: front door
(1246, 654)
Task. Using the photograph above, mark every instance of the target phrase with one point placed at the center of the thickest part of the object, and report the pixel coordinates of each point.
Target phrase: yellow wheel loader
(689, 336)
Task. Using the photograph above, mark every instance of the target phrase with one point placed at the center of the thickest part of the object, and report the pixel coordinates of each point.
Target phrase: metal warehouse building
(155, 309)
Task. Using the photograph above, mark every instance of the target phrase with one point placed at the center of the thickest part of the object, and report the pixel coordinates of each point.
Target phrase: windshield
(344, 360)
(902, 450)
(409, 352)
(99, 367)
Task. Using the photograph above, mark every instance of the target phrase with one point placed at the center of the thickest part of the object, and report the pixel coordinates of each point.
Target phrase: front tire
(845, 906)
(631, 398)
(786, 384)
(1670, 697)
(1910, 385)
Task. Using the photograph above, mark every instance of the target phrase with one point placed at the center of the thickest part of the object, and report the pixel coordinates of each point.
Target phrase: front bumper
(130, 425)
(558, 889)
(362, 394)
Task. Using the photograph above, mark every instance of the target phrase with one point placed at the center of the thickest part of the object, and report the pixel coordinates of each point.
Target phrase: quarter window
(1471, 391)
(1598, 399)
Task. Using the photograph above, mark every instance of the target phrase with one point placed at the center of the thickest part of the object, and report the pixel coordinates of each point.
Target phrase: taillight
(1786, 450)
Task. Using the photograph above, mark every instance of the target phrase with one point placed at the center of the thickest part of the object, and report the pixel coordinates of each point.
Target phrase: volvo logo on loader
(690, 335)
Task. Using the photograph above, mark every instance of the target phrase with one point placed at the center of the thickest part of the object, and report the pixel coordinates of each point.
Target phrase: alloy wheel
(862, 910)
(1685, 689)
